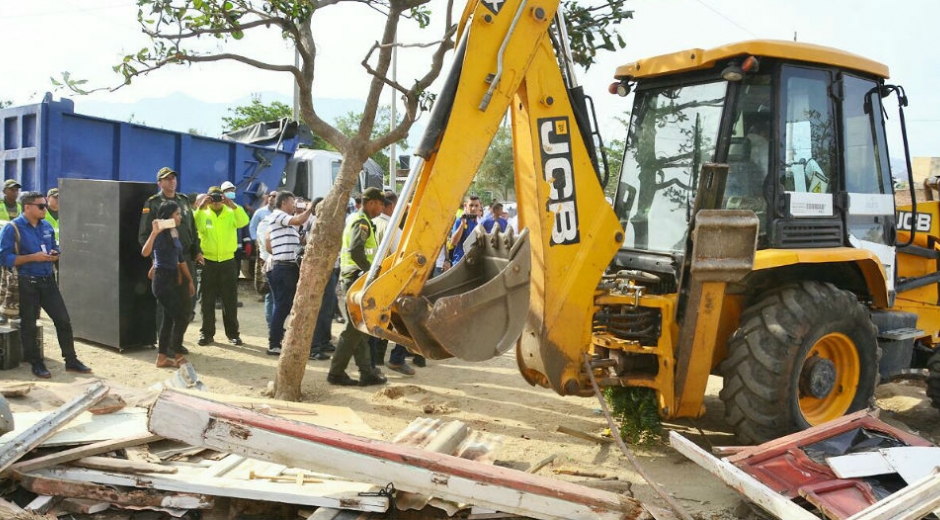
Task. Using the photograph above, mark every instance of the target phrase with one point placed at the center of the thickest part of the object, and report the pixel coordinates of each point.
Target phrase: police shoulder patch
(146, 209)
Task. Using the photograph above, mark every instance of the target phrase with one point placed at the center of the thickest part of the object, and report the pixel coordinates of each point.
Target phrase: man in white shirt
(283, 238)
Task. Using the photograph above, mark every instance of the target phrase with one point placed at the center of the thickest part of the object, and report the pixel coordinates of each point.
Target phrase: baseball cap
(374, 194)
(227, 186)
(54, 192)
(11, 183)
(165, 172)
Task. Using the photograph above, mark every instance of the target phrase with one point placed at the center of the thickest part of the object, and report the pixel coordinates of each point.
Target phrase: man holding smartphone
(217, 220)
(28, 243)
(463, 227)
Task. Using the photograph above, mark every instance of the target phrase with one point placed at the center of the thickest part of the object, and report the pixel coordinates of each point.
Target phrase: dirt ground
(489, 396)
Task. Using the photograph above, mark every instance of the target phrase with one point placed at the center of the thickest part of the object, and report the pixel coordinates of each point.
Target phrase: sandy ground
(489, 396)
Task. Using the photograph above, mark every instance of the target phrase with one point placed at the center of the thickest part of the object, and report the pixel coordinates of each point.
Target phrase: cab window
(809, 159)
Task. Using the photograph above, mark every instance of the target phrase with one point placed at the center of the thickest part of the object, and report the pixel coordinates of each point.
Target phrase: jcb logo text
(555, 143)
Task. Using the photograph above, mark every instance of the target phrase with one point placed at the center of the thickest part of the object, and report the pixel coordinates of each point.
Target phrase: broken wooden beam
(123, 497)
(42, 430)
(83, 451)
(346, 495)
(122, 465)
(737, 479)
(202, 422)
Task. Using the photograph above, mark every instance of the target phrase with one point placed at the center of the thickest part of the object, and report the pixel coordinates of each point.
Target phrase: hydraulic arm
(535, 290)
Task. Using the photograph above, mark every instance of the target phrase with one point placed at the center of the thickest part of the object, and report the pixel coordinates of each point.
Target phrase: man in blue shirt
(495, 218)
(28, 243)
(464, 225)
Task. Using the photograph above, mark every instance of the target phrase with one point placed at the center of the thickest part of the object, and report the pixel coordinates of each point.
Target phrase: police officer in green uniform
(167, 180)
(359, 248)
(11, 207)
(52, 213)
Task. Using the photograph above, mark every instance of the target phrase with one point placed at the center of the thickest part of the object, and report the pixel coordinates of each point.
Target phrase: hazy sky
(86, 37)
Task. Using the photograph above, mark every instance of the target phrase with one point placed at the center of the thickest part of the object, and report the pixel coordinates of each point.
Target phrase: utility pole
(392, 156)
(296, 114)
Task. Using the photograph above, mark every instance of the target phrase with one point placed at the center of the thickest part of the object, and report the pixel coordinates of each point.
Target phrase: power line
(729, 20)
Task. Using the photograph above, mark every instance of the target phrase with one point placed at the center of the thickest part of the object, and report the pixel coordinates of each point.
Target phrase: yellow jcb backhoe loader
(753, 234)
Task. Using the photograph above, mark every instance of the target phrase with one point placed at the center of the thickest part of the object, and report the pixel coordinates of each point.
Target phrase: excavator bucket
(476, 310)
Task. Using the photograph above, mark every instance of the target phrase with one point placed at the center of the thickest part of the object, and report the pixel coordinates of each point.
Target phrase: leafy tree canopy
(256, 111)
(497, 173)
(349, 126)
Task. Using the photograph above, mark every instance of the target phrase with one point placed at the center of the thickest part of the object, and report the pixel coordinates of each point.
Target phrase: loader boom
(535, 291)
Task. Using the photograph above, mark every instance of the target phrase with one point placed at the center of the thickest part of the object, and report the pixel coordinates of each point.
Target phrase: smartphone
(301, 206)
(165, 223)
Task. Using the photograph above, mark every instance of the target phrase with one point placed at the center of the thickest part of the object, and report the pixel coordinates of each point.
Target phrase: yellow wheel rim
(829, 378)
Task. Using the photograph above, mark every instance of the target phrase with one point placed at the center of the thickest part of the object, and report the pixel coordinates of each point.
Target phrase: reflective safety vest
(54, 222)
(346, 262)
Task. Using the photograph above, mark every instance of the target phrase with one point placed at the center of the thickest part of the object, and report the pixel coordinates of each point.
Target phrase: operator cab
(800, 127)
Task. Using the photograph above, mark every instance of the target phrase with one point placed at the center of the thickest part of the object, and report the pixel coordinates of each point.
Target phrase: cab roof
(700, 59)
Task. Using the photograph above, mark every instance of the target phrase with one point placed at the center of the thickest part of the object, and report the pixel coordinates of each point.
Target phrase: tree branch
(195, 33)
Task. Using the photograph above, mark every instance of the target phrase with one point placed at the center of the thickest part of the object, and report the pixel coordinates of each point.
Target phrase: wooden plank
(584, 435)
(858, 465)
(33, 436)
(83, 451)
(337, 417)
(225, 428)
(125, 497)
(910, 503)
(41, 503)
(912, 462)
(122, 465)
(86, 428)
(745, 484)
(327, 494)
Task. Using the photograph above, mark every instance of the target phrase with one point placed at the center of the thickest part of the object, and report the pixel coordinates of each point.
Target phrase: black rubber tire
(765, 357)
(933, 379)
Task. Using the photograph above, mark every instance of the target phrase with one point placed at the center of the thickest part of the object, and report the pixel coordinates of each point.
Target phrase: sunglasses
(40, 206)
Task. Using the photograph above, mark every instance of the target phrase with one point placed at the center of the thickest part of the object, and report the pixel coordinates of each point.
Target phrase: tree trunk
(320, 256)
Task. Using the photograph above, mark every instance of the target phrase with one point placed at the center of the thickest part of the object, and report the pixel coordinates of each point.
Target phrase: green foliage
(349, 125)
(5, 103)
(593, 28)
(255, 112)
(614, 149)
(496, 172)
(636, 409)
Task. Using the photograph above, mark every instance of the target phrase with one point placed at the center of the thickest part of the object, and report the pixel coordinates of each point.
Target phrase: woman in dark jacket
(172, 284)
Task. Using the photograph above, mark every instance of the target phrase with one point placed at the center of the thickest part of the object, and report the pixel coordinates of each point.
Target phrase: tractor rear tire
(804, 354)
(933, 379)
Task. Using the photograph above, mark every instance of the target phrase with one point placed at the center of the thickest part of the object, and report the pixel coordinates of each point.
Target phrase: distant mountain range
(182, 113)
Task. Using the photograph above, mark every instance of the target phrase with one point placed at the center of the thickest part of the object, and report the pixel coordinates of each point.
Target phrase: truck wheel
(933, 379)
(804, 354)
